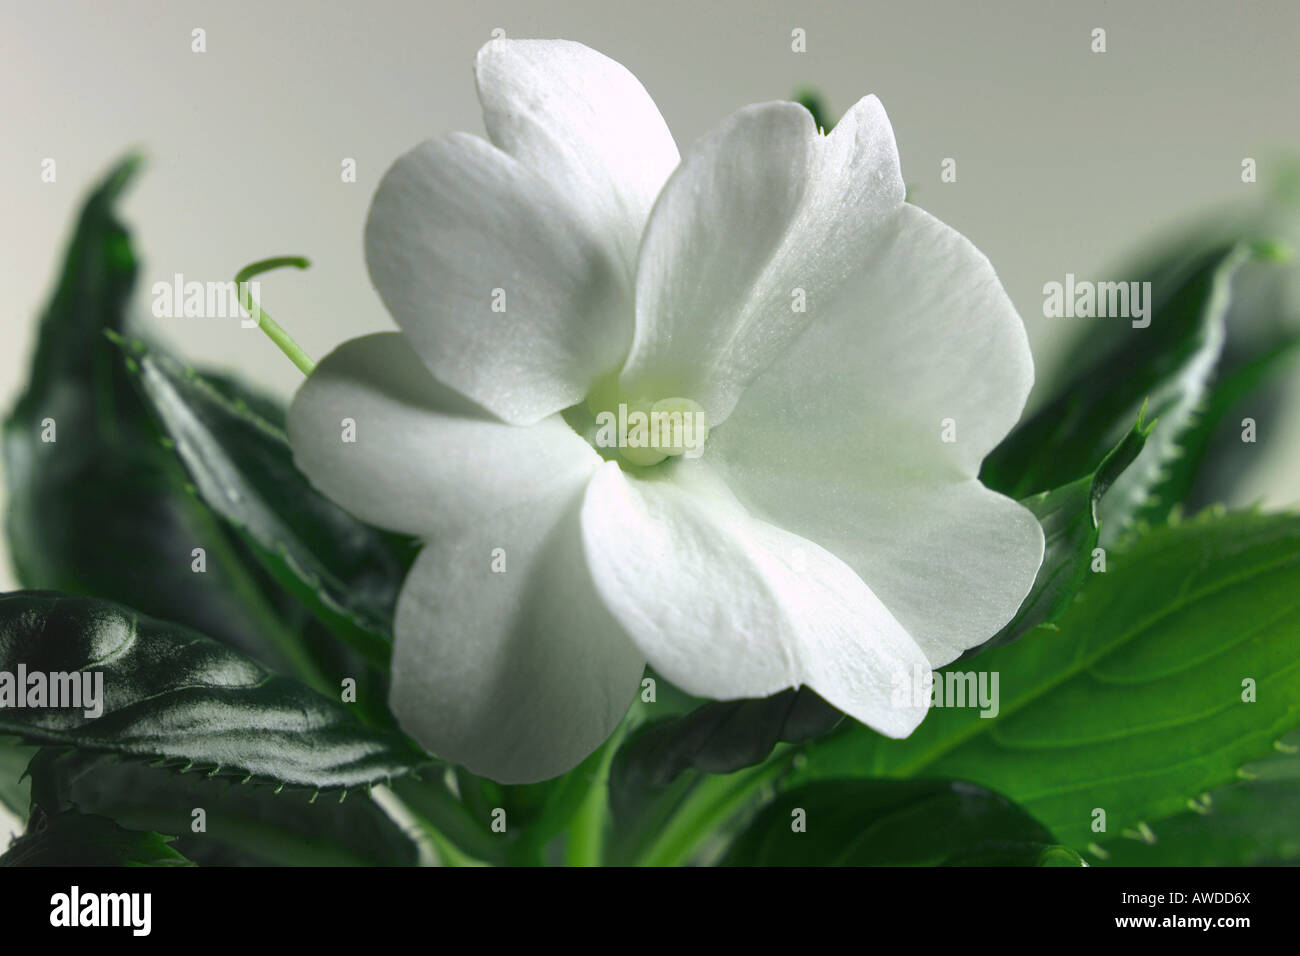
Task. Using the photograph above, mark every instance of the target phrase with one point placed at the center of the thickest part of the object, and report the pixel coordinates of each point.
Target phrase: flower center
(645, 433)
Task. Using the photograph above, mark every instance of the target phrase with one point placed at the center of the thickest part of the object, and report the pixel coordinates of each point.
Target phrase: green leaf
(182, 699)
(15, 789)
(346, 572)
(76, 839)
(1216, 434)
(717, 738)
(1136, 705)
(892, 823)
(242, 825)
(1260, 322)
(1251, 822)
(102, 508)
(1068, 515)
(1167, 366)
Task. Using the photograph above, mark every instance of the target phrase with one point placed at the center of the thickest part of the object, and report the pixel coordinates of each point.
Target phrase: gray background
(1066, 159)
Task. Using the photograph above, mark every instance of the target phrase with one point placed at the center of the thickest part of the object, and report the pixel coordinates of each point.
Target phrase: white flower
(827, 535)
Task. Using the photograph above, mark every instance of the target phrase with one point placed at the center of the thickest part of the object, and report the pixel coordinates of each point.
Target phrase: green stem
(712, 803)
(456, 835)
(434, 848)
(274, 332)
(584, 843)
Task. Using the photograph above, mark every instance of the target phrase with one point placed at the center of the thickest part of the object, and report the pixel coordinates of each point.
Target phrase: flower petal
(750, 239)
(584, 121)
(503, 290)
(951, 561)
(842, 440)
(422, 457)
(727, 607)
(517, 674)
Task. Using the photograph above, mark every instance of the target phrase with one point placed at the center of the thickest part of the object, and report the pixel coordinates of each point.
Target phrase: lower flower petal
(506, 661)
(952, 562)
(727, 606)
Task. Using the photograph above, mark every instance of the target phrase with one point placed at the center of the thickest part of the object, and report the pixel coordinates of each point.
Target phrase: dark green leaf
(242, 824)
(1070, 529)
(76, 839)
(14, 786)
(890, 823)
(104, 509)
(718, 738)
(183, 699)
(1216, 435)
(1167, 366)
(348, 573)
(1136, 705)
(1261, 322)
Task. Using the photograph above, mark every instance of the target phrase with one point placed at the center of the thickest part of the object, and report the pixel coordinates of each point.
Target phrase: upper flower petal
(584, 122)
(505, 659)
(843, 438)
(750, 239)
(726, 606)
(422, 457)
(505, 291)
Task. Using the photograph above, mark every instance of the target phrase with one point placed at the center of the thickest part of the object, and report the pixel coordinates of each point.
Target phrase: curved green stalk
(274, 332)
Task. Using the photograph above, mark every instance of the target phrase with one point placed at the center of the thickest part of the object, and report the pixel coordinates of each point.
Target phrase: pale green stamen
(678, 426)
(645, 433)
